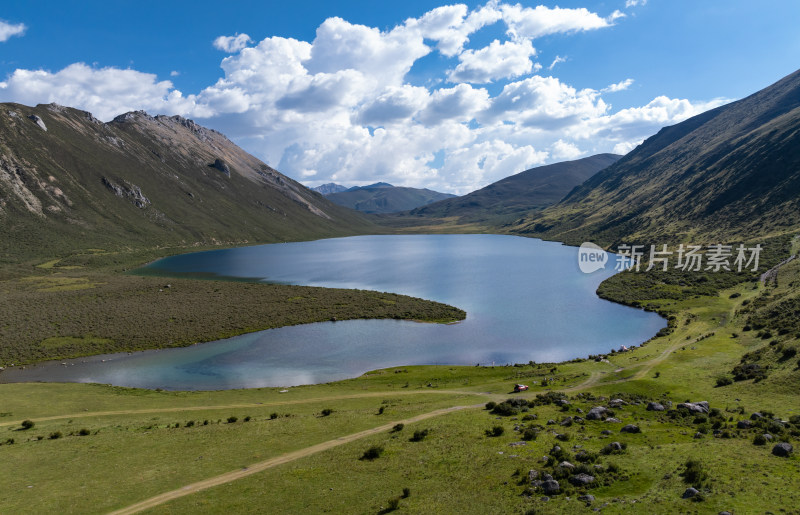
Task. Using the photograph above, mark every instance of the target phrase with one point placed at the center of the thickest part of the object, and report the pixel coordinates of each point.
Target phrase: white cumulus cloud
(8, 30)
(619, 86)
(232, 44)
(351, 105)
(496, 61)
(105, 92)
(527, 22)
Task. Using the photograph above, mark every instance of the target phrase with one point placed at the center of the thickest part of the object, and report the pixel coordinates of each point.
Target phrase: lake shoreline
(222, 278)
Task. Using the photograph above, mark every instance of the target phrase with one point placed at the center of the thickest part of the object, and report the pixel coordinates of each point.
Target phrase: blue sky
(427, 94)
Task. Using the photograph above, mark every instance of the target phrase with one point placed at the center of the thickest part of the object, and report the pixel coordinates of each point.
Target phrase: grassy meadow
(339, 447)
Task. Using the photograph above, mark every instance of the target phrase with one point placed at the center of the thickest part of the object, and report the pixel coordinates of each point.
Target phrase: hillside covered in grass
(729, 174)
(69, 181)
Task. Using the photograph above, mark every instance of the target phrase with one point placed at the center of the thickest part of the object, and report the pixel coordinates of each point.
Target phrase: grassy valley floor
(340, 447)
(82, 305)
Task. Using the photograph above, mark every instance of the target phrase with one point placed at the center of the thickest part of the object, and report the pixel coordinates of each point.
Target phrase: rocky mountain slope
(328, 188)
(728, 174)
(508, 199)
(68, 180)
(385, 198)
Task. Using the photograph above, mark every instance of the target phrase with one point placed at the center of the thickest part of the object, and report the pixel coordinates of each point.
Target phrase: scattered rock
(630, 428)
(517, 444)
(533, 475)
(768, 437)
(744, 424)
(551, 487)
(655, 406)
(38, 121)
(613, 420)
(695, 407)
(698, 435)
(782, 449)
(581, 479)
(586, 498)
(613, 446)
(616, 403)
(547, 477)
(689, 493)
(756, 416)
(555, 450)
(562, 402)
(596, 413)
(605, 432)
(222, 166)
(551, 422)
(566, 465)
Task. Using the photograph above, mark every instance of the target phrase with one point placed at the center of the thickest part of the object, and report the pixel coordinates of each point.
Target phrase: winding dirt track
(86, 414)
(272, 462)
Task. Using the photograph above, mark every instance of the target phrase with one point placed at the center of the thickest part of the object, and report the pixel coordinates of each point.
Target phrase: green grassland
(82, 305)
(131, 449)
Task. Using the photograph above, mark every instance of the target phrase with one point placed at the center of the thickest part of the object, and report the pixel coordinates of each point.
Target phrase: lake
(525, 300)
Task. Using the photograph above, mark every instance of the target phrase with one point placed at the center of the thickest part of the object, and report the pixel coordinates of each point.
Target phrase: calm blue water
(525, 300)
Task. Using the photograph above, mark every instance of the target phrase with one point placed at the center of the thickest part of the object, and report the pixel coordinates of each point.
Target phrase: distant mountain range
(380, 197)
(68, 180)
(328, 188)
(513, 197)
(729, 173)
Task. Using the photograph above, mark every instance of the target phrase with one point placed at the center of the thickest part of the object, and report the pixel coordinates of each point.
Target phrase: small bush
(529, 434)
(372, 453)
(419, 435)
(495, 431)
(724, 381)
(84, 432)
(398, 427)
(406, 492)
(232, 420)
(381, 409)
(326, 412)
(27, 424)
(190, 423)
(56, 435)
(394, 503)
(273, 416)
(760, 440)
(490, 405)
(694, 473)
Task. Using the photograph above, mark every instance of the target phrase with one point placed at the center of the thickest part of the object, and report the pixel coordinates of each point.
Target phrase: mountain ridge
(69, 180)
(729, 173)
(516, 195)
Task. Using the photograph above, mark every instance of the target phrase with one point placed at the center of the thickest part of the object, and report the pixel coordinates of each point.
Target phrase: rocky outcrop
(551, 487)
(38, 121)
(222, 166)
(130, 191)
(581, 479)
(695, 407)
(783, 449)
(597, 413)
